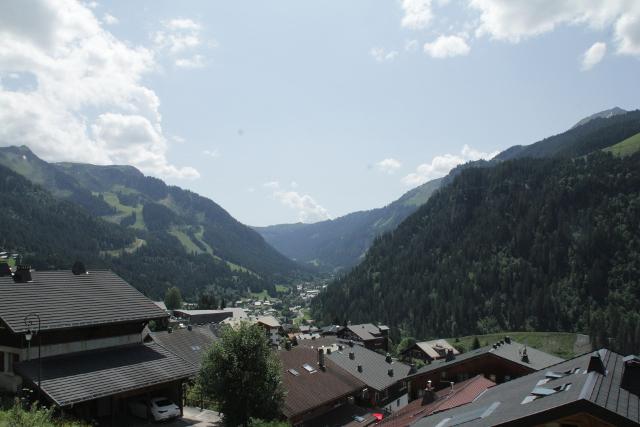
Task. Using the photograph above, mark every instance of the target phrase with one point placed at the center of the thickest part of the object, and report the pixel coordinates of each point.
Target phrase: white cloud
(308, 209)
(388, 165)
(211, 153)
(182, 24)
(417, 14)
(593, 55)
(196, 61)
(411, 45)
(271, 184)
(381, 55)
(447, 47)
(514, 20)
(110, 19)
(627, 33)
(441, 165)
(88, 102)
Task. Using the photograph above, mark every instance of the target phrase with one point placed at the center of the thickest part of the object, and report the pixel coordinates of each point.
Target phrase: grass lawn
(558, 343)
(626, 147)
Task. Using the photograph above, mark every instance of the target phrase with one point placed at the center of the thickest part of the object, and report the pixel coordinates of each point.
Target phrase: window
(309, 368)
(12, 360)
(294, 372)
(539, 392)
(1, 361)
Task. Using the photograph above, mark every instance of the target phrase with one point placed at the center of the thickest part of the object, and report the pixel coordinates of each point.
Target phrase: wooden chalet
(75, 338)
(594, 389)
(371, 336)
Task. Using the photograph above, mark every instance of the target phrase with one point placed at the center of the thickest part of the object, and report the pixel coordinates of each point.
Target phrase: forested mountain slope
(341, 243)
(175, 237)
(530, 244)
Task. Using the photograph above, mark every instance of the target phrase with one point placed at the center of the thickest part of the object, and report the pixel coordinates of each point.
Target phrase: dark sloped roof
(374, 366)
(307, 391)
(537, 359)
(589, 392)
(365, 331)
(461, 393)
(64, 300)
(191, 345)
(90, 375)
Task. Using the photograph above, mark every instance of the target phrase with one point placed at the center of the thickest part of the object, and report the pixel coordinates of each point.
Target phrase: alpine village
(500, 290)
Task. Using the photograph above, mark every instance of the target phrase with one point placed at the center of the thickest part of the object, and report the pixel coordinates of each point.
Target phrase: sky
(286, 111)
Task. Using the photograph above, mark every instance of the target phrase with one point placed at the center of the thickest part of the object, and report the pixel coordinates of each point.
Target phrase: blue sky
(299, 110)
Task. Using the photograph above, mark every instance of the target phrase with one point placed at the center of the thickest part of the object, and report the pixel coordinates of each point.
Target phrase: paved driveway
(192, 417)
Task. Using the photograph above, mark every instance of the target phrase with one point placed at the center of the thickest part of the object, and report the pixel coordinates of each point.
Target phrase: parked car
(160, 408)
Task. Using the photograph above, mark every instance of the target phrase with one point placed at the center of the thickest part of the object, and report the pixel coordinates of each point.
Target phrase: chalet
(595, 389)
(314, 385)
(428, 351)
(76, 339)
(385, 378)
(499, 362)
(371, 336)
(203, 317)
(272, 327)
(433, 402)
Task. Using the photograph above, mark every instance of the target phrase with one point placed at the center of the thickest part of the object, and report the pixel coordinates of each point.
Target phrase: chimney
(169, 329)
(5, 270)
(524, 356)
(352, 355)
(321, 358)
(450, 356)
(596, 364)
(350, 343)
(388, 358)
(507, 339)
(359, 368)
(22, 274)
(78, 268)
(429, 394)
(340, 347)
(390, 372)
(631, 374)
(412, 368)
(329, 350)
(189, 328)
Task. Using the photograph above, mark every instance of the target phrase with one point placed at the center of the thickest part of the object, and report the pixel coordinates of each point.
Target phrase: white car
(161, 408)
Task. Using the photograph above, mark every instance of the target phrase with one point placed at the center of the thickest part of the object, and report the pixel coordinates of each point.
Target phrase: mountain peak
(605, 114)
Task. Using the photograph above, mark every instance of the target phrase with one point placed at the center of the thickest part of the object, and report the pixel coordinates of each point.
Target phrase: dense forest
(530, 244)
(153, 235)
(341, 243)
(338, 244)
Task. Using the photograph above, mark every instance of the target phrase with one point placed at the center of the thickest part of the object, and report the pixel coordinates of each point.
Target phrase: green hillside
(169, 230)
(627, 147)
(530, 244)
(341, 243)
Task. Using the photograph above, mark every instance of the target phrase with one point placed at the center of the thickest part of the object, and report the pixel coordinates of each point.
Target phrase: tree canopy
(243, 375)
(173, 298)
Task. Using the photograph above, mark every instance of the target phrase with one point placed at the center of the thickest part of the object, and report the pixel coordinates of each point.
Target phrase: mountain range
(339, 244)
(152, 234)
(543, 237)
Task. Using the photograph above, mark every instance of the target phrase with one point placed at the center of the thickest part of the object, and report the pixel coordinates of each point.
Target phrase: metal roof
(375, 368)
(191, 345)
(306, 391)
(65, 300)
(365, 331)
(513, 402)
(459, 394)
(85, 376)
(537, 359)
